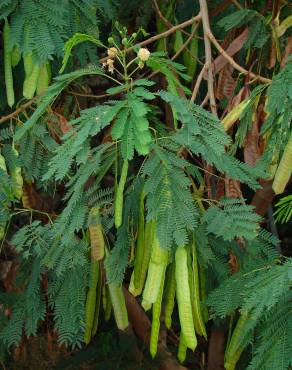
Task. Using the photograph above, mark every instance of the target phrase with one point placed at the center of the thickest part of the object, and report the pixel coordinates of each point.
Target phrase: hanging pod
(169, 295)
(237, 343)
(15, 56)
(148, 240)
(184, 298)
(96, 235)
(17, 178)
(119, 196)
(182, 349)
(155, 275)
(197, 313)
(43, 79)
(90, 306)
(284, 169)
(139, 256)
(8, 66)
(30, 82)
(119, 306)
(156, 310)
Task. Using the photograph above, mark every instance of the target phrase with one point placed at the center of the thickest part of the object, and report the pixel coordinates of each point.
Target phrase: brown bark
(142, 328)
(263, 197)
(216, 350)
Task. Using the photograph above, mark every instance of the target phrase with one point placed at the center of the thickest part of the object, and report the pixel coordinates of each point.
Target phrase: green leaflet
(132, 127)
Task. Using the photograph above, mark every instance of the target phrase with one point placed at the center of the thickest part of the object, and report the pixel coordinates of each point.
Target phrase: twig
(237, 4)
(164, 19)
(90, 95)
(183, 25)
(198, 83)
(178, 52)
(205, 101)
(232, 61)
(208, 53)
(19, 110)
(185, 44)
(161, 35)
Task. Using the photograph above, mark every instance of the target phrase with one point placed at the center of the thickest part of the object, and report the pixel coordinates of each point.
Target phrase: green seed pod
(170, 295)
(43, 80)
(119, 198)
(91, 301)
(119, 306)
(182, 349)
(30, 83)
(184, 298)
(156, 321)
(17, 178)
(284, 169)
(8, 66)
(15, 56)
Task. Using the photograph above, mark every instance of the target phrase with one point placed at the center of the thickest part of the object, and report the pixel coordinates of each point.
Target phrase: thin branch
(237, 4)
(161, 35)
(205, 101)
(90, 95)
(232, 61)
(185, 44)
(164, 19)
(19, 110)
(198, 83)
(208, 54)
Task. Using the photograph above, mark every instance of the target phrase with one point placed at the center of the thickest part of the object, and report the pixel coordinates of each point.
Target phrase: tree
(136, 171)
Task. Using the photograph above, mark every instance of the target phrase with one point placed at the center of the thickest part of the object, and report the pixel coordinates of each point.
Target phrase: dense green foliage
(142, 154)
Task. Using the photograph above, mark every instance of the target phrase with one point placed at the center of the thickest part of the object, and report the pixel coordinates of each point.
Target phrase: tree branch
(165, 20)
(161, 35)
(19, 110)
(198, 83)
(189, 39)
(232, 61)
(208, 54)
(152, 39)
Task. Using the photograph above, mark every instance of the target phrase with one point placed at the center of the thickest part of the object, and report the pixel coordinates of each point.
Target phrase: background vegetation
(145, 166)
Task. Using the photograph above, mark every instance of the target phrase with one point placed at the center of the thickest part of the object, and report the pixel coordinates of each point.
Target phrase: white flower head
(143, 54)
(110, 65)
(112, 52)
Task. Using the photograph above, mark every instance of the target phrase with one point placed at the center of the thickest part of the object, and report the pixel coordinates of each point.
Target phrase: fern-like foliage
(117, 260)
(41, 28)
(67, 295)
(258, 34)
(171, 71)
(232, 218)
(270, 317)
(203, 134)
(169, 200)
(284, 209)
(38, 27)
(52, 92)
(28, 308)
(132, 125)
(277, 126)
(36, 148)
(273, 345)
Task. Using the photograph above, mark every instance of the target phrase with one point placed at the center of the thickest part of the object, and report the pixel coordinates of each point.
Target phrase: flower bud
(112, 52)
